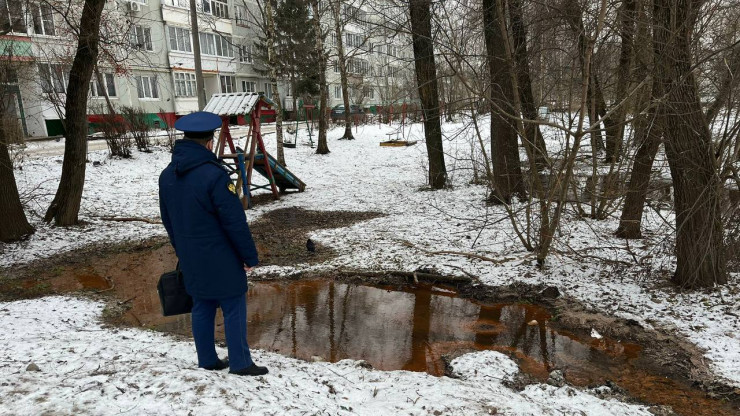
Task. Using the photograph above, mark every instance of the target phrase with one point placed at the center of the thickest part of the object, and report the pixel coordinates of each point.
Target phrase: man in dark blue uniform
(208, 229)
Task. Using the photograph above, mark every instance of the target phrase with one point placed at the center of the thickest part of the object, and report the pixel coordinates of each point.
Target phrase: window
(241, 15)
(218, 45)
(220, 9)
(179, 39)
(109, 86)
(391, 50)
(185, 84)
(53, 78)
(185, 4)
(43, 19)
(249, 86)
(357, 66)
(228, 83)
(206, 6)
(12, 18)
(368, 92)
(207, 44)
(334, 39)
(268, 90)
(353, 14)
(224, 46)
(9, 76)
(335, 65)
(337, 91)
(140, 37)
(353, 40)
(245, 54)
(147, 86)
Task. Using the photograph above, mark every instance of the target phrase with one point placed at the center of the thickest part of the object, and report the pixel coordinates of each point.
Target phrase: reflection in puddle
(409, 329)
(412, 328)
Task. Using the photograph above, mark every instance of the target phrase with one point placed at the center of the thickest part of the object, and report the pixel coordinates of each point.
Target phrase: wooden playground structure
(240, 163)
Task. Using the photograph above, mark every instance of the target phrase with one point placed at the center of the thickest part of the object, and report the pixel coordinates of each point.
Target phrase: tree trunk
(426, 78)
(596, 106)
(66, 204)
(13, 223)
(615, 134)
(507, 168)
(342, 70)
(323, 147)
(699, 232)
(647, 134)
(729, 79)
(529, 108)
(272, 61)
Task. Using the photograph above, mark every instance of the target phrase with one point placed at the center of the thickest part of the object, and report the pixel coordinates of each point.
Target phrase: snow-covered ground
(359, 175)
(86, 369)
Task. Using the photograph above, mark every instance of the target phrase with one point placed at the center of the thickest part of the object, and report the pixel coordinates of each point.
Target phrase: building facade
(147, 59)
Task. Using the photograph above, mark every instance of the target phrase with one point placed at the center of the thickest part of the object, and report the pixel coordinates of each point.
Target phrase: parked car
(337, 112)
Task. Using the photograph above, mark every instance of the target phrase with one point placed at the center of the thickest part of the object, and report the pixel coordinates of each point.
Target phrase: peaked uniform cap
(198, 122)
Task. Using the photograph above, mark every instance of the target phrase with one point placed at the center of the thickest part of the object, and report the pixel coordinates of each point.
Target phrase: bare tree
(13, 222)
(507, 168)
(270, 39)
(534, 137)
(342, 61)
(615, 131)
(322, 148)
(688, 144)
(426, 76)
(65, 207)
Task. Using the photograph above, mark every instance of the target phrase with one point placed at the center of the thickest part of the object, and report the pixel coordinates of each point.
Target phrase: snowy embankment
(359, 175)
(84, 368)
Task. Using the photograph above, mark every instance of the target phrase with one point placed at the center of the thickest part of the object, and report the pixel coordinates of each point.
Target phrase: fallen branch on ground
(457, 253)
(411, 276)
(127, 219)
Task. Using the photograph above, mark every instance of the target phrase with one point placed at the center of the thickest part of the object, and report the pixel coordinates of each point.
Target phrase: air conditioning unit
(134, 6)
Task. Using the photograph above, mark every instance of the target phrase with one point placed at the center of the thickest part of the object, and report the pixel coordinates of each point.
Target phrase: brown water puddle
(409, 328)
(412, 328)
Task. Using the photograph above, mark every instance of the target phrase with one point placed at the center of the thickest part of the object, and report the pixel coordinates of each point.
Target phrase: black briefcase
(172, 295)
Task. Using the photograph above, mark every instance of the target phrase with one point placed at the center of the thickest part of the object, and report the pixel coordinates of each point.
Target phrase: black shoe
(252, 370)
(220, 365)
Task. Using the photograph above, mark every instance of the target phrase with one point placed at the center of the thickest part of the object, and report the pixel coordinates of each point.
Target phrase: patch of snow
(87, 368)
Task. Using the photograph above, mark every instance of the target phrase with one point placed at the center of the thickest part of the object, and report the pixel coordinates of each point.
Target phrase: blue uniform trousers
(235, 324)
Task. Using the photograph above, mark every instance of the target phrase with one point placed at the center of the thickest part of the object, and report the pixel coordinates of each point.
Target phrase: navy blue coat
(206, 223)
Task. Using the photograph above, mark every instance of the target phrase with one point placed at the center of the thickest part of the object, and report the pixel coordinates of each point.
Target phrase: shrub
(114, 129)
(137, 126)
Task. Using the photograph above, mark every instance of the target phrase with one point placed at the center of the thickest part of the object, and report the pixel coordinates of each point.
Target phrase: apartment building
(147, 59)
(379, 57)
